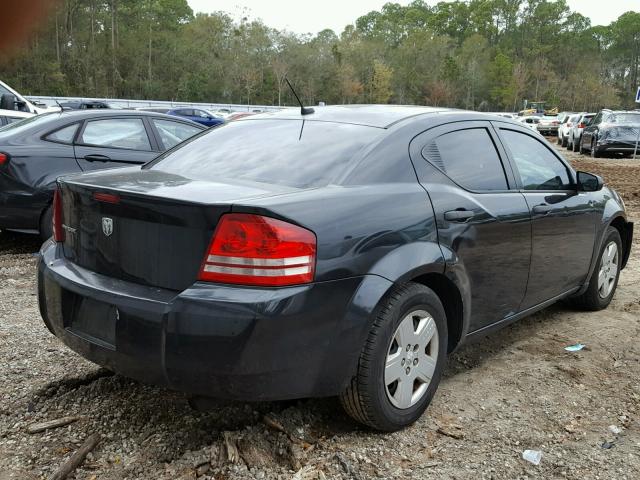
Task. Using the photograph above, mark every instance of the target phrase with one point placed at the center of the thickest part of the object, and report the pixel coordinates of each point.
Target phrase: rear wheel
(594, 149)
(46, 224)
(580, 149)
(402, 361)
(604, 279)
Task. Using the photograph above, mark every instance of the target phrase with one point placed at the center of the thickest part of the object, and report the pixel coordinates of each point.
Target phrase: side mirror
(8, 101)
(588, 182)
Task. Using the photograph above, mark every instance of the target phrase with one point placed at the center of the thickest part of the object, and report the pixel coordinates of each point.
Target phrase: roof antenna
(303, 110)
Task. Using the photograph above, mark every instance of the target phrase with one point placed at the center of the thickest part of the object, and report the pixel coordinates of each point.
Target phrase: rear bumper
(615, 146)
(221, 341)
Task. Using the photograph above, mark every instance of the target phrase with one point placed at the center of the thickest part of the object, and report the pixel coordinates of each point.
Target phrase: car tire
(46, 224)
(594, 149)
(564, 141)
(598, 295)
(580, 149)
(410, 313)
(558, 140)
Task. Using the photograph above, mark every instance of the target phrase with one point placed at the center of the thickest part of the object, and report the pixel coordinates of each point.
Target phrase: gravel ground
(514, 390)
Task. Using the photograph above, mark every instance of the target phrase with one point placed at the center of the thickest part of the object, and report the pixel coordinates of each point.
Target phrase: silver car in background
(575, 134)
(566, 124)
(548, 125)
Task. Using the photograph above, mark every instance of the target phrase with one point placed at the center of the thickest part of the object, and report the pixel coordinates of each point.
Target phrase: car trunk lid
(147, 227)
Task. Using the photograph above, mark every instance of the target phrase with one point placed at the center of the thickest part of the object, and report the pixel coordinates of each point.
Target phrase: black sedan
(611, 132)
(343, 252)
(36, 151)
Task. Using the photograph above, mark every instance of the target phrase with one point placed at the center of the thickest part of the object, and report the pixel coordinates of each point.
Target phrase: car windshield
(625, 117)
(24, 124)
(295, 153)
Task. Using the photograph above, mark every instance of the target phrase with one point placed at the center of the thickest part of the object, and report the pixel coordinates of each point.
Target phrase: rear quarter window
(288, 152)
(469, 157)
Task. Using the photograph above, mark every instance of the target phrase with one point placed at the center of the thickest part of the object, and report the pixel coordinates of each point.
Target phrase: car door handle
(542, 209)
(96, 158)
(458, 215)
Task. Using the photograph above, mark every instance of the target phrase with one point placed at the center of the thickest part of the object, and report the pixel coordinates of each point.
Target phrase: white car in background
(531, 122)
(575, 134)
(10, 116)
(566, 124)
(10, 99)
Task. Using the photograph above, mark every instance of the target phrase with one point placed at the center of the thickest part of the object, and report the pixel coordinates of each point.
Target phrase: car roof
(114, 112)
(380, 116)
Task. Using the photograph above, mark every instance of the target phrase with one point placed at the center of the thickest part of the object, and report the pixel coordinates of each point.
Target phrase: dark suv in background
(611, 131)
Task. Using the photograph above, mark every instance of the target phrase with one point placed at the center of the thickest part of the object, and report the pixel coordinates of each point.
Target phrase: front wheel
(604, 279)
(402, 360)
(594, 149)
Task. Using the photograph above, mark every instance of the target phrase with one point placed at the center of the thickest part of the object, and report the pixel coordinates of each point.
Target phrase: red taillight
(581, 125)
(4, 158)
(106, 197)
(58, 231)
(255, 250)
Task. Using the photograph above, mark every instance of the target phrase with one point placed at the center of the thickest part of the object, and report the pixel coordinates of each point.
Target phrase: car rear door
(483, 221)
(110, 142)
(563, 220)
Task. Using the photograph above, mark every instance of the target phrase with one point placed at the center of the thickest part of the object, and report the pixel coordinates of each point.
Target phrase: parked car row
(608, 132)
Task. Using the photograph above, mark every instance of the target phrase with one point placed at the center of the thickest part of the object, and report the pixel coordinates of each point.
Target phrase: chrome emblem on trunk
(107, 226)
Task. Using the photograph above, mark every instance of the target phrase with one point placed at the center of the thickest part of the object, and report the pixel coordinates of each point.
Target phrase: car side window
(539, 169)
(116, 133)
(596, 119)
(469, 157)
(172, 133)
(201, 114)
(63, 135)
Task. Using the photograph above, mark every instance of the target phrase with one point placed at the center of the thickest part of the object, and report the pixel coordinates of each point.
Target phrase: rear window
(287, 152)
(624, 118)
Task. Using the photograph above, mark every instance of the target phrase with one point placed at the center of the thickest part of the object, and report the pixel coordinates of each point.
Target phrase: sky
(312, 16)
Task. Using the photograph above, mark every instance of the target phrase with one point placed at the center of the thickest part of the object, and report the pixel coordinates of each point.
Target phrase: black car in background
(611, 131)
(84, 105)
(342, 252)
(36, 151)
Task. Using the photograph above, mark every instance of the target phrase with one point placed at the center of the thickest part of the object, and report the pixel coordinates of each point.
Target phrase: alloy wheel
(608, 270)
(411, 359)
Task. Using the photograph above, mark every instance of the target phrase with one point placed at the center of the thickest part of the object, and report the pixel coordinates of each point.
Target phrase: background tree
(478, 54)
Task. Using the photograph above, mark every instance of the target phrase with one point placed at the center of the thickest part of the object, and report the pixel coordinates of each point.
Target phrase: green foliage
(480, 54)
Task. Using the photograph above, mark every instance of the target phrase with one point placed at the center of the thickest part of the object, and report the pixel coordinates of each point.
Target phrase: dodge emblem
(107, 226)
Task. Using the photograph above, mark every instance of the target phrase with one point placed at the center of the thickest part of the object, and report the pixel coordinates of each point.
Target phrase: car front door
(483, 222)
(563, 220)
(114, 142)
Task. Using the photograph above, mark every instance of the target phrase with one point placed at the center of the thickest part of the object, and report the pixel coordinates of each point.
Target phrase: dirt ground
(514, 390)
